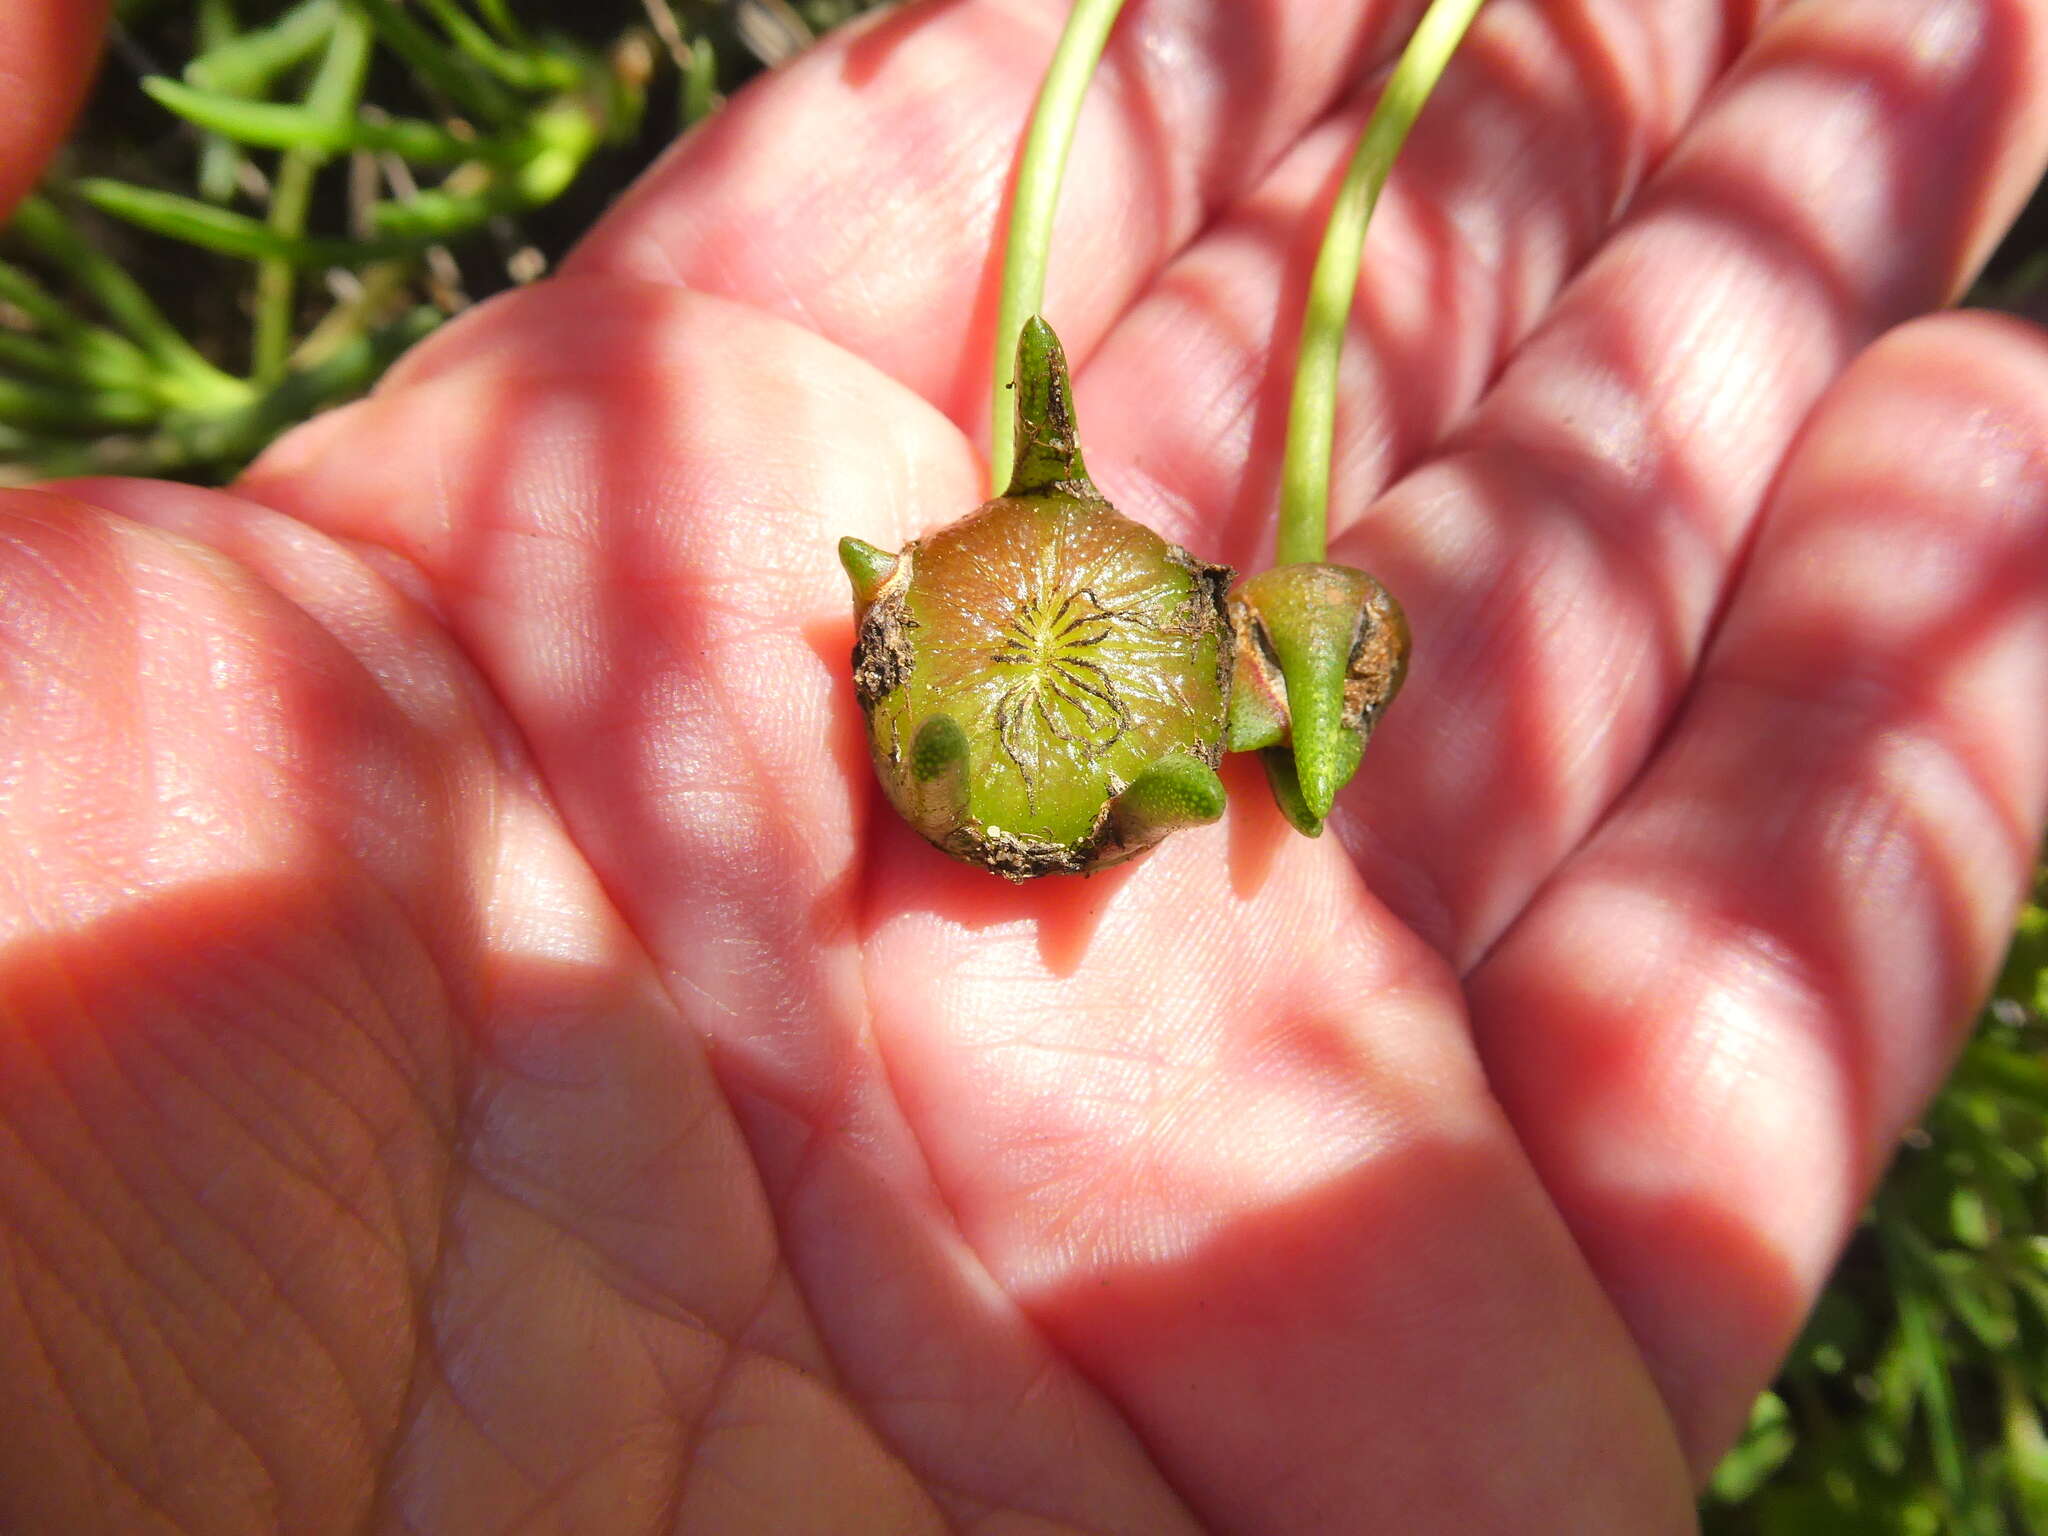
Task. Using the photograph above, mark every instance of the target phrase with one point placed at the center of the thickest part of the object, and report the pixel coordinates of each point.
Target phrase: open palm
(476, 1053)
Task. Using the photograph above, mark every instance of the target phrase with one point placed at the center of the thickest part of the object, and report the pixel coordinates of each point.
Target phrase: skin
(477, 1054)
(46, 58)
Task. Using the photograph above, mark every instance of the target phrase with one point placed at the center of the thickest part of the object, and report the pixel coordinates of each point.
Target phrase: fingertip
(1976, 338)
(298, 451)
(47, 52)
(1712, 1023)
(1953, 400)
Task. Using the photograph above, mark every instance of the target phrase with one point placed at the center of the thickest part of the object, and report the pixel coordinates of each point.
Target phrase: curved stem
(1311, 415)
(337, 85)
(1031, 212)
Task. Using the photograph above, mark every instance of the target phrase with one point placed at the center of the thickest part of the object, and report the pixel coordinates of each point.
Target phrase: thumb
(47, 49)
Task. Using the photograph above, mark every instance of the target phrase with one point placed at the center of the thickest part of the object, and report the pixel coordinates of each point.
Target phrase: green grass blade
(522, 70)
(351, 368)
(1921, 1342)
(1989, 1066)
(1765, 1444)
(502, 22)
(700, 82)
(249, 64)
(40, 360)
(220, 162)
(219, 229)
(564, 137)
(23, 404)
(451, 74)
(289, 126)
(36, 301)
(38, 222)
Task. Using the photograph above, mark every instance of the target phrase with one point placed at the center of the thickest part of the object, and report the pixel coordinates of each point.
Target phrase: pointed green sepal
(1048, 447)
(1177, 791)
(1286, 786)
(1309, 616)
(1339, 643)
(867, 567)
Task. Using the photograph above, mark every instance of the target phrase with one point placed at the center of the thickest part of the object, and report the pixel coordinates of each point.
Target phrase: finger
(47, 48)
(1560, 563)
(1215, 1122)
(583, 1165)
(1711, 1027)
(860, 192)
(1543, 127)
(623, 498)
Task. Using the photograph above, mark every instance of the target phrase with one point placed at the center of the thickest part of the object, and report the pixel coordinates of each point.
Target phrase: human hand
(478, 1054)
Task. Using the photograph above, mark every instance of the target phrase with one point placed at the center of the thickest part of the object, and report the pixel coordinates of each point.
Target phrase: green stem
(332, 98)
(456, 77)
(276, 278)
(90, 352)
(1031, 212)
(1311, 417)
(219, 160)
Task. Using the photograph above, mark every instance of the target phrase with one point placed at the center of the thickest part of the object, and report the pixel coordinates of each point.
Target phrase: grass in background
(265, 203)
(1913, 1402)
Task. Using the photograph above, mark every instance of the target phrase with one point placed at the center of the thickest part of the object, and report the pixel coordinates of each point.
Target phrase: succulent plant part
(1321, 651)
(1048, 685)
(1045, 681)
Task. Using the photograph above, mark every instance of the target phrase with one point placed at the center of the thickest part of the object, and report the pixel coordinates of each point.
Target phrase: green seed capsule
(1321, 652)
(1045, 681)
